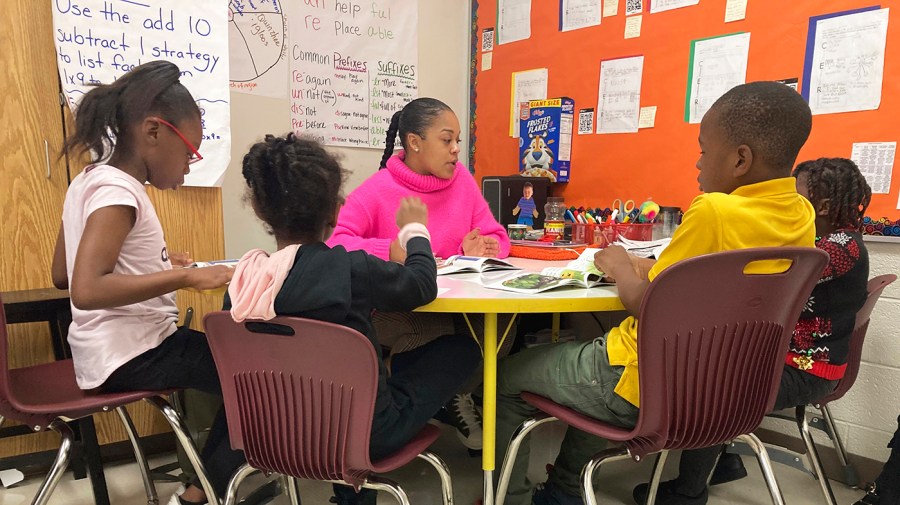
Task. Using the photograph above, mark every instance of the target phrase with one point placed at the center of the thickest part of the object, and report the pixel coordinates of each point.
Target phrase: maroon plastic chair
(45, 396)
(826, 422)
(711, 347)
(300, 398)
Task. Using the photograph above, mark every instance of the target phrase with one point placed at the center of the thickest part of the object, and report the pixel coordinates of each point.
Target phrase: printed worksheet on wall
(526, 85)
(352, 66)
(257, 46)
(716, 65)
(667, 5)
(847, 66)
(99, 41)
(575, 14)
(619, 103)
(513, 20)
(876, 162)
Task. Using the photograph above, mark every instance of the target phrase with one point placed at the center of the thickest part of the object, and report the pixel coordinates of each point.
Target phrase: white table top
(464, 293)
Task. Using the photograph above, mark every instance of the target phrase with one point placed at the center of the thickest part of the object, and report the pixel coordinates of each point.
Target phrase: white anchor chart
(257, 33)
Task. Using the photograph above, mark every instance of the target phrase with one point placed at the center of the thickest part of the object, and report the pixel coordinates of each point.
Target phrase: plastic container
(667, 222)
(554, 218)
(635, 231)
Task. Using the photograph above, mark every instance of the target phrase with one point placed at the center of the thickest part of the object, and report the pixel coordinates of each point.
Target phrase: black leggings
(183, 360)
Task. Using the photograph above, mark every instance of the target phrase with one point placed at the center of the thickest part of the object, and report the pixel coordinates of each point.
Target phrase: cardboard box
(545, 138)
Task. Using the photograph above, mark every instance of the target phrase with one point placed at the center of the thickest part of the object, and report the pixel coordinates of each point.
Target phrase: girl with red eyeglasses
(111, 253)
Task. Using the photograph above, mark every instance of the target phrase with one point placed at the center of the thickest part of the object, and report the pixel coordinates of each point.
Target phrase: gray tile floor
(423, 486)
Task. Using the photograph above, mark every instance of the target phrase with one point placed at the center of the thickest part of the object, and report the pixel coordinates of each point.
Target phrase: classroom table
(464, 294)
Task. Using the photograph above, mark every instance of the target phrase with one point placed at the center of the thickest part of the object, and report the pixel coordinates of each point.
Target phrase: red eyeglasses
(196, 156)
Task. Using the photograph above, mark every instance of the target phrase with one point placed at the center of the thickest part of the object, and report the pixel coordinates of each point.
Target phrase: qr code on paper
(585, 121)
(633, 7)
(487, 40)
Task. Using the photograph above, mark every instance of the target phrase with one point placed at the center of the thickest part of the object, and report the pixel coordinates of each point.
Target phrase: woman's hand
(476, 244)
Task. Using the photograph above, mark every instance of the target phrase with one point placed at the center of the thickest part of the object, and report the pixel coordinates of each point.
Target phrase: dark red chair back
(289, 407)
(711, 345)
(874, 289)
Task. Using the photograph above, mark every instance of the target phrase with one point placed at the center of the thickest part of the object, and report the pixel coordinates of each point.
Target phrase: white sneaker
(173, 500)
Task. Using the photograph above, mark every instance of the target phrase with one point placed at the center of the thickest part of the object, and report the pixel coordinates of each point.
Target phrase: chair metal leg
(850, 474)
(59, 464)
(587, 473)
(143, 466)
(184, 438)
(813, 454)
(289, 484)
(765, 465)
(242, 473)
(382, 484)
(658, 467)
(511, 452)
(2, 420)
(444, 472)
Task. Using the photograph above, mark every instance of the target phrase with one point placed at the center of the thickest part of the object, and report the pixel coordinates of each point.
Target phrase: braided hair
(414, 117)
(294, 185)
(107, 112)
(840, 182)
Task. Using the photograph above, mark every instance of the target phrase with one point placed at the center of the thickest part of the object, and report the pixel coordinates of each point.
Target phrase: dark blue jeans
(183, 360)
(422, 381)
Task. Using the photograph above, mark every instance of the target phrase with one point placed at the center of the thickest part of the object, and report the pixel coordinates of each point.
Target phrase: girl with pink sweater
(428, 167)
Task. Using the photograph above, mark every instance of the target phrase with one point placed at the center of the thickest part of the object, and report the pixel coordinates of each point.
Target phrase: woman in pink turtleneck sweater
(459, 223)
(428, 168)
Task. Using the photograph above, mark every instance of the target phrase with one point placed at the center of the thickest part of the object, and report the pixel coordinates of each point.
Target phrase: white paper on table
(848, 62)
(667, 5)
(513, 20)
(618, 107)
(876, 162)
(633, 26)
(719, 64)
(735, 10)
(526, 85)
(487, 61)
(647, 118)
(575, 14)
(11, 477)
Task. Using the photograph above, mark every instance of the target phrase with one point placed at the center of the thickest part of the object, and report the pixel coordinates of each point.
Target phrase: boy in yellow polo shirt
(749, 141)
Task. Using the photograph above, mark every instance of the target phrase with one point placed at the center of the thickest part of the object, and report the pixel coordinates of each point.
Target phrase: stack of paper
(644, 248)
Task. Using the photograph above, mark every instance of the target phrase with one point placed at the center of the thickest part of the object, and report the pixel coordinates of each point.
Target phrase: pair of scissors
(625, 208)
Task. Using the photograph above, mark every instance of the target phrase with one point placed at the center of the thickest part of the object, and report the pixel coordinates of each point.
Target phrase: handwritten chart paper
(99, 41)
(257, 45)
(847, 65)
(513, 20)
(618, 108)
(352, 66)
(667, 5)
(876, 162)
(717, 65)
(575, 14)
(527, 85)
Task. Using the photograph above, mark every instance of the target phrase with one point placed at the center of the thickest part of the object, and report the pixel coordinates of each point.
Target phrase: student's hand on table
(211, 277)
(476, 244)
(397, 253)
(180, 259)
(611, 260)
(411, 210)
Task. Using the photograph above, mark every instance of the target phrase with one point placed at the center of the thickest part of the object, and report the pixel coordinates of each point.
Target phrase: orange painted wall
(659, 162)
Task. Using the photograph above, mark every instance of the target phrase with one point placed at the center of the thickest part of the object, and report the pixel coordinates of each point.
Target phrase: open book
(579, 273)
(459, 264)
(201, 264)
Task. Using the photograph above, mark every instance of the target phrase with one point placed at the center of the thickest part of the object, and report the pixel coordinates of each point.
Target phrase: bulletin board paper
(98, 41)
(352, 66)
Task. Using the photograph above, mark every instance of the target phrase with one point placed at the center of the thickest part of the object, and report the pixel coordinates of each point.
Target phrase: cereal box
(545, 138)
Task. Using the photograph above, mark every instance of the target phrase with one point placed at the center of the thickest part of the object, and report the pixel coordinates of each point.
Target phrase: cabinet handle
(47, 156)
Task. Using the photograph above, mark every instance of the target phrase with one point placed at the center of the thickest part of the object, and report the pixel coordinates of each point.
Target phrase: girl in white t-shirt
(111, 253)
